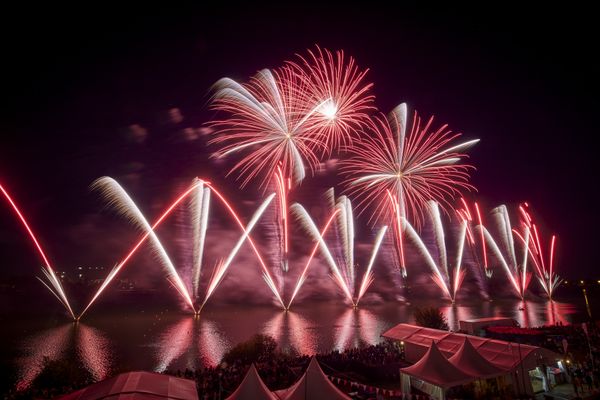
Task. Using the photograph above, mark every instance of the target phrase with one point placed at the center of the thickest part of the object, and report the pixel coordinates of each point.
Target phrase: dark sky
(523, 80)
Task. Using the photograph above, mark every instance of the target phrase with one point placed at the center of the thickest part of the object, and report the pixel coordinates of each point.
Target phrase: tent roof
(138, 385)
(434, 368)
(314, 385)
(252, 387)
(470, 361)
(503, 354)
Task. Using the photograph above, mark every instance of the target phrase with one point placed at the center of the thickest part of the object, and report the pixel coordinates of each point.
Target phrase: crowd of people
(281, 371)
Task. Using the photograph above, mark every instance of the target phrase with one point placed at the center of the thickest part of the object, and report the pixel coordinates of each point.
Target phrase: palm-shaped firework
(397, 173)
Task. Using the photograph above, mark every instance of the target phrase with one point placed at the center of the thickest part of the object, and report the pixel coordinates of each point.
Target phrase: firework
(471, 214)
(200, 206)
(118, 198)
(416, 168)
(336, 84)
(505, 252)
(449, 281)
(343, 271)
(223, 266)
(269, 122)
(54, 286)
(548, 279)
(197, 183)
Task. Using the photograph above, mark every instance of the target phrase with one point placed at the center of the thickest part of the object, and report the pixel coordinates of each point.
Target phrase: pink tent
(138, 386)
(470, 361)
(252, 388)
(313, 385)
(502, 354)
(435, 369)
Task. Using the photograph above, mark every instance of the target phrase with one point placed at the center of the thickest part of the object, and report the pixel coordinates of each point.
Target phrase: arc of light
(398, 223)
(485, 261)
(118, 196)
(222, 269)
(314, 231)
(281, 186)
(367, 278)
(529, 248)
(163, 216)
(552, 254)
(119, 266)
(496, 250)
(51, 275)
(440, 238)
(461, 245)
(266, 274)
(312, 255)
(200, 206)
(524, 277)
(410, 231)
(346, 226)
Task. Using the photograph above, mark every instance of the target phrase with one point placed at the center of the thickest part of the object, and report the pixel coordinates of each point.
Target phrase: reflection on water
(94, 350)
(173, 342)
(89, 344)
(169, 340)
(50, 344)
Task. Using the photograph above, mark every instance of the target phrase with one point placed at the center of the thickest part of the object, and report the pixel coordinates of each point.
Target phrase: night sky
(87, 93)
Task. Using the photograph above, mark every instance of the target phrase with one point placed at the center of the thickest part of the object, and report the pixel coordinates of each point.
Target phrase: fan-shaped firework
(343, 270)
(471, 214)
(548, 279)
(416, 168)
(505, 251)
(449, 281)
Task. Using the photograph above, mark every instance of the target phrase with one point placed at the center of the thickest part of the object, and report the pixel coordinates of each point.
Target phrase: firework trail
(55, 286)
(222, 267)
(159, 221)
(302, 277)
(118, 199)
(548, 279)
(504, 250)
(339, 86)
(283, 186)
(472, 215)
(449, 281)
(344, 271)
(408, 169)
(265, 270)
(200, 208)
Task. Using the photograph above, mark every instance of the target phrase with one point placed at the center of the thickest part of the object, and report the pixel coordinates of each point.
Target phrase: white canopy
(252, 388)
(313, 385)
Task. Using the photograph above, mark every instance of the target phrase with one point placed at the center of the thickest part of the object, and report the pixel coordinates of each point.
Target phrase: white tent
(313, 385)
(433, 374)
(252, 388)
(468, 359)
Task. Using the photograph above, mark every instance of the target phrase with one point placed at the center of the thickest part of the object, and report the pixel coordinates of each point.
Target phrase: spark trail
(55, 286)
(343, 271)
(449, 280)
(118, 199)
(503, 248)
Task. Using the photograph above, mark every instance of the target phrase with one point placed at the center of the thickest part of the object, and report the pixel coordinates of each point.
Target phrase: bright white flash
(329, 110)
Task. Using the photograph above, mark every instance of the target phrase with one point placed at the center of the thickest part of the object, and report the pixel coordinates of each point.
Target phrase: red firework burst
(416, 168)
